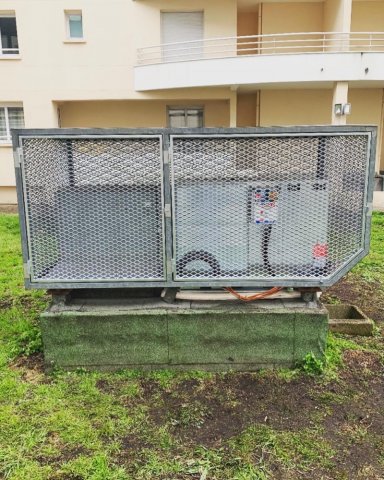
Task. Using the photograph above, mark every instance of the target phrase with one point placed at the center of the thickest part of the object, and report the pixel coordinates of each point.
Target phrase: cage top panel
(297, 129)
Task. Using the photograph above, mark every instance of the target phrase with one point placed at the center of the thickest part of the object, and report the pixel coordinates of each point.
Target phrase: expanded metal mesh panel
(267, 207)
(94, 208)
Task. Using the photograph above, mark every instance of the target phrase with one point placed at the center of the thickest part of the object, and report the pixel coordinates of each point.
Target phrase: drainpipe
(233, 106)
(257, 120)
(380, 137)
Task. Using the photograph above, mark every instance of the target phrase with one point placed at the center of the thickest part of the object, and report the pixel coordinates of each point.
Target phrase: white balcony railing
(271, 44)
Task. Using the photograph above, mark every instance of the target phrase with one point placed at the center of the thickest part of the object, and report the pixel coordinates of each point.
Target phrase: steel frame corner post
(19, 164)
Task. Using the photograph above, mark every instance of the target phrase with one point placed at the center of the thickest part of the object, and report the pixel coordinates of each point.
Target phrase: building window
(190, 117)
(10, 117)
(9, 44)
(74, 25)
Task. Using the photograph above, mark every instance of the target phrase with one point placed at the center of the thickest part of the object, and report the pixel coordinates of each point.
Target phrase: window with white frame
(10, 117)
(189, 117)
(74, 24)
(9, 44)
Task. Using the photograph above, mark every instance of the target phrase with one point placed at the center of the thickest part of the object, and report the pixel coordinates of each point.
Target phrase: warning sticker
(266, 205)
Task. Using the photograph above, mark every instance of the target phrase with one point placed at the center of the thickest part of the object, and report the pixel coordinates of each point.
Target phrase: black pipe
(265, 239)
(71, 167)
(200, 255)
(320, 168)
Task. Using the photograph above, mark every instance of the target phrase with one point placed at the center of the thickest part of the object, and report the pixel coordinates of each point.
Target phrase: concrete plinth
(146, 333)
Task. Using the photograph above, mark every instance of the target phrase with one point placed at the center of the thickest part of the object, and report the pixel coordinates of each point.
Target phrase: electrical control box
(252, 228)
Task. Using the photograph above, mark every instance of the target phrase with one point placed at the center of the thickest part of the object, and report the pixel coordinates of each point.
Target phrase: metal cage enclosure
(193, 207)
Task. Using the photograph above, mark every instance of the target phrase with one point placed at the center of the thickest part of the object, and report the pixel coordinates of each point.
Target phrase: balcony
(320, 57)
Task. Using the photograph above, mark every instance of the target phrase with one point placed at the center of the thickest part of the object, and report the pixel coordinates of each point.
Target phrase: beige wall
(292, 17)
(136, 114)
(295, 107)
(7, 173)
(367, 108)
(246, 110)
(337, 15)
(366, 105)
(8, 195)
(247, 24)
(368, 16)
(102, 66)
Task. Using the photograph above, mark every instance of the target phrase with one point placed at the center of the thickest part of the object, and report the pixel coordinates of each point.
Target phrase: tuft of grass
(286, 374)
(191, 414)
(371, 267)
(336, 346)
(19, 309)
(19, 333)
(329, 365)
(333, 300)
(95, 467)
(302, 450)
(331, 398)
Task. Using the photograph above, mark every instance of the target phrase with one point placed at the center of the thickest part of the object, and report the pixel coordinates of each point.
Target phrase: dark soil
(24, 301)
(233, 402)
(8, 208)
(35, 362)
(350, 410)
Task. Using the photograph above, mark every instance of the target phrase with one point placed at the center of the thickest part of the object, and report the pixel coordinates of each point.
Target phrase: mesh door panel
(94, 208)
(263, 207)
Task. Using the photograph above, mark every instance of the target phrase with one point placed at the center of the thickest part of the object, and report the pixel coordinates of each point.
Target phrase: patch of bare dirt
(369, 296)
(350, 410)
(6, 303)
(31, 367)
(226, 407)
(25, 301)
(8, 208)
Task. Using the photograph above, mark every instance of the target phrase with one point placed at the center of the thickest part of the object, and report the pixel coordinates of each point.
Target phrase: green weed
(312, 365)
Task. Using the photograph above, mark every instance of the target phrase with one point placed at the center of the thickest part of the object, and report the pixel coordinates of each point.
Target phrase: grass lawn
(163, 425)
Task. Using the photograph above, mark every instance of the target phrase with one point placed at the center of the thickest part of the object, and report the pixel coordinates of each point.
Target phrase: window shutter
(182, 27)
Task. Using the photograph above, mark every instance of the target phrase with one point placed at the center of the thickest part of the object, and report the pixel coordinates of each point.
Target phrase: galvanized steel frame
(166, 135)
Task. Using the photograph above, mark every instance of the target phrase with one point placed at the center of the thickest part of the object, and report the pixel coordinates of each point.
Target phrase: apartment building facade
(216, 63)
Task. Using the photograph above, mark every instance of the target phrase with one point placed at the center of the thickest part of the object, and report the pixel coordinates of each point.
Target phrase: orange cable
(256, 296)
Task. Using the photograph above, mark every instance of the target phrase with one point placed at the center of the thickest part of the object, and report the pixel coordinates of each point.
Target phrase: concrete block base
(147, 333)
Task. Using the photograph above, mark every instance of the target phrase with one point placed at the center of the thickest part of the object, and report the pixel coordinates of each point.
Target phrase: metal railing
(270, 44)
